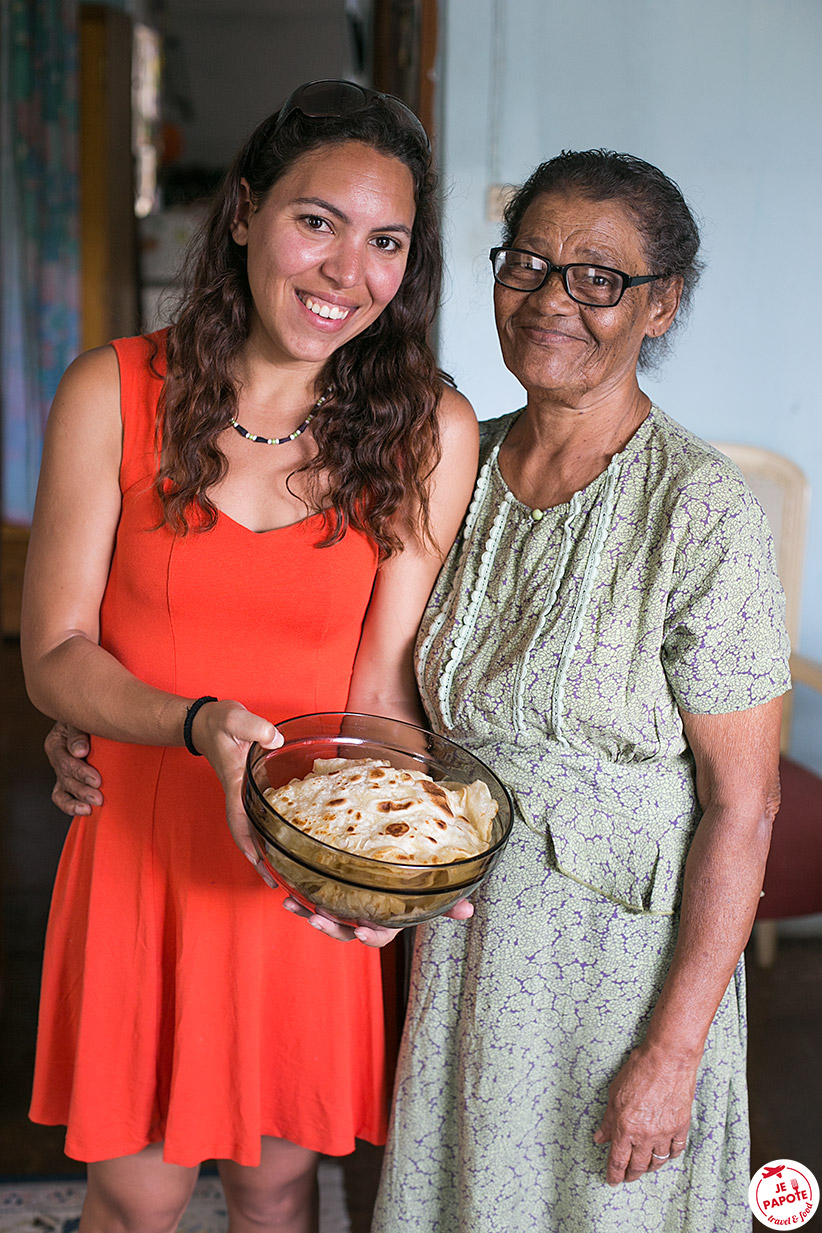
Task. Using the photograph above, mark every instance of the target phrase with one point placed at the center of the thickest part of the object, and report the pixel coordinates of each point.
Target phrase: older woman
(608, 635)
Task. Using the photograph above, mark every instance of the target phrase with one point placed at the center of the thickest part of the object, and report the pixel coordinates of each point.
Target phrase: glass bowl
(356, 889)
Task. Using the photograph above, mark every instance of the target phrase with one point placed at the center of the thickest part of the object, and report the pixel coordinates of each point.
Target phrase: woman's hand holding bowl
(369, 935)
(223, 732)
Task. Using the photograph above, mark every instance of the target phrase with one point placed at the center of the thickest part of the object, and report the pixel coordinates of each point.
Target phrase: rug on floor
(54, 1206)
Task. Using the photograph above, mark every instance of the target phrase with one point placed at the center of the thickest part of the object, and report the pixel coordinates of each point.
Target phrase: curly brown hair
(377, 437)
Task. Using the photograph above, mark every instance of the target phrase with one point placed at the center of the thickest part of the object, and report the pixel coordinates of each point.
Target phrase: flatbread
(370, 808)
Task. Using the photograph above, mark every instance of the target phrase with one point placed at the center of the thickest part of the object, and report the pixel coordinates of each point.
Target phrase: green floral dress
(559, 648)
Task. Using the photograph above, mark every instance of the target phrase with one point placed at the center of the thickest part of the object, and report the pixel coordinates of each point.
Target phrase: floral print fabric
(560, 650)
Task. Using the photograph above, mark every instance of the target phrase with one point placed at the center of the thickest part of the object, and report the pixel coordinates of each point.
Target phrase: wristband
(189, 720)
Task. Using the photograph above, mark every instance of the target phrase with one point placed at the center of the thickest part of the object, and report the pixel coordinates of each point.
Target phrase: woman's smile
(549, 335)
(327, 249)
(325, 308)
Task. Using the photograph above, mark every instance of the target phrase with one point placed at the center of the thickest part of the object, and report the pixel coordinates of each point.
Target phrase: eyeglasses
(596, 286)
(333, 100)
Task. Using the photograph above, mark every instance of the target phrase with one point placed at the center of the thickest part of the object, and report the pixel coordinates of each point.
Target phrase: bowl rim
(248, 779)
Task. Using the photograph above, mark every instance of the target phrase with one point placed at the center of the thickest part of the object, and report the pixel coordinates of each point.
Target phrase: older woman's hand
(223, 732)
(649, 1103)
(648, 1115)
(77, 790)
(369, 935)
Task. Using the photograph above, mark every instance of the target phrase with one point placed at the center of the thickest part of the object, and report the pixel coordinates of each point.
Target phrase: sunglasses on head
(334, 100)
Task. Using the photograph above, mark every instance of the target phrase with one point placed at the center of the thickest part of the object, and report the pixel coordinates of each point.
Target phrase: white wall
(726, 97)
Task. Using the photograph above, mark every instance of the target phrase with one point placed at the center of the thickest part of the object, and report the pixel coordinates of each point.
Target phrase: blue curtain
(39, 258)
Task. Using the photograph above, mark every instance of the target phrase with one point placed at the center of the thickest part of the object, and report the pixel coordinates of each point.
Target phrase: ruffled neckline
(633, 446)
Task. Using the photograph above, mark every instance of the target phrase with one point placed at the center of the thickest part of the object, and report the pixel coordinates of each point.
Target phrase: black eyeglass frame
(628, 280)
(300, 100)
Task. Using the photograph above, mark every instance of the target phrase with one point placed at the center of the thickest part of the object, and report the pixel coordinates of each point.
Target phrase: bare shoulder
(94, 373)
(85, 426)
(457, 421)
(455, 475)
(87, 402)
(459, 437)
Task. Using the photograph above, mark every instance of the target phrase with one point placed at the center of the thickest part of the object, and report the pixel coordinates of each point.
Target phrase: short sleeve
(725, 645)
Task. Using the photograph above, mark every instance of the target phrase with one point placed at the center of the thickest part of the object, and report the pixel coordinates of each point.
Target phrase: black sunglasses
(333, 100)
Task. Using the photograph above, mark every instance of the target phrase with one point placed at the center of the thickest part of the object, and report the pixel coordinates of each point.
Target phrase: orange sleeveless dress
(180, 1001)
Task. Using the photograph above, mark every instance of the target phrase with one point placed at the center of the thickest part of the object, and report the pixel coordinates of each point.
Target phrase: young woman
(230, 514)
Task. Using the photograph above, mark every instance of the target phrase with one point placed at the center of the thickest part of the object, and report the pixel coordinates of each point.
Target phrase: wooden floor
(785, 1002)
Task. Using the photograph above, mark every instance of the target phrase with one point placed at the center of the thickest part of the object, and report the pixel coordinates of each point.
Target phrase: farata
(368, 807)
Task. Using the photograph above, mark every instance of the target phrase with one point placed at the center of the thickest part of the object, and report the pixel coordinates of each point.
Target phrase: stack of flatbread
(370, 808)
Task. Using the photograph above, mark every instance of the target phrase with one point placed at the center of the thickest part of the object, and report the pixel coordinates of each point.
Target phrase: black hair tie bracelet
(190, 713)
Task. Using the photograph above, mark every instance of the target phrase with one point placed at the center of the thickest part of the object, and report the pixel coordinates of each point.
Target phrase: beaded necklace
(292, 436)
